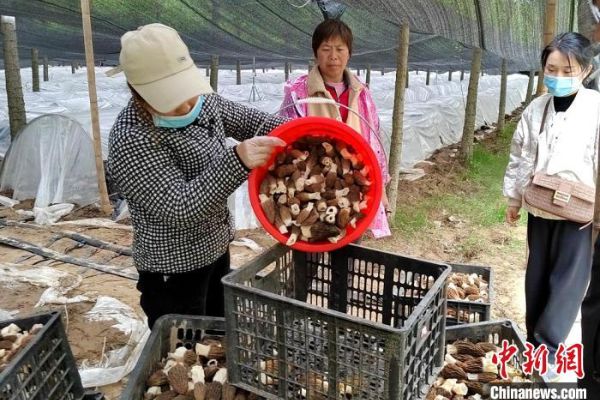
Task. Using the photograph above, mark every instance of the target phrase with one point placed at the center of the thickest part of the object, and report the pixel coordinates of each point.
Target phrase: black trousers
(590, 328)
(558, 271)
(199, 292)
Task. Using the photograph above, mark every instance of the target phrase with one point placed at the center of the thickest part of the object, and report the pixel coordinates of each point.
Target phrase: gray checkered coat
(176, 182)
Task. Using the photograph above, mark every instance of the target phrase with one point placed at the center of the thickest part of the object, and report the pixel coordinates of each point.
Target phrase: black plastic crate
(169, 332)
(45, 369)
(493, 332)
(466, 311)
(364, 321)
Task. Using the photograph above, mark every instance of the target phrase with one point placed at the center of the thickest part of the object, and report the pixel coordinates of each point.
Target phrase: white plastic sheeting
(4, 134)
(51, 160)
(58, 283)
(434, 114)
(120, 362)
(116, 364)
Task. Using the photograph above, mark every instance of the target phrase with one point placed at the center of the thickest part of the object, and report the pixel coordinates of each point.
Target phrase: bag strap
(542, 128)
(544, 116)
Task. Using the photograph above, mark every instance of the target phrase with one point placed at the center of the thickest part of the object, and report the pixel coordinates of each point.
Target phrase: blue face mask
(562, 86)
(181, 121)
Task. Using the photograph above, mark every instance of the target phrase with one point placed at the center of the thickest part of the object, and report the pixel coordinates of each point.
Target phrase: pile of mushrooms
(316, 189)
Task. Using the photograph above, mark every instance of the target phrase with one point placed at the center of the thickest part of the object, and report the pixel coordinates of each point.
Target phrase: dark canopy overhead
(274, 31)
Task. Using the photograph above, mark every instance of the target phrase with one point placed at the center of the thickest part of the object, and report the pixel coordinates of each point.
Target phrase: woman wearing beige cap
(167, 155)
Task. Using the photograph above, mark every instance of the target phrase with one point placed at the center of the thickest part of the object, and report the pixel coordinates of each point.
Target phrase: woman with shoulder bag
(551, 173)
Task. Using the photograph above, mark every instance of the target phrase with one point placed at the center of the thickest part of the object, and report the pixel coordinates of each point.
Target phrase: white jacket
(567, 147)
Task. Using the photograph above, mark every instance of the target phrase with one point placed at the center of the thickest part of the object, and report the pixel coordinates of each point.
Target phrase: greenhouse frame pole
(549, 31)
(12, 75)
(35, 70)
(466, 144)
(398, 117)
(286, 72)
(214, 73)
(502, 104)
(46, 77)
(91, 75)
(530, 87)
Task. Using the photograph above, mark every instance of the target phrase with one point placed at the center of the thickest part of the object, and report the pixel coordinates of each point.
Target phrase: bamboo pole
(214, 73)
(502, 104)
(529, 94)
(91, 75)
(46, 75)
(382, 71)
(466, 145)
(368, 77)
(12, 75)
(398, 116)
(72, 67)
(549, 32)
(449, 76)
(238, 73)
(427, 77)
(35, 71)
(462, 75)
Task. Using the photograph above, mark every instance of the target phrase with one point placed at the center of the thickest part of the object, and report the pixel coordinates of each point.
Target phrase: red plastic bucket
(338, 131)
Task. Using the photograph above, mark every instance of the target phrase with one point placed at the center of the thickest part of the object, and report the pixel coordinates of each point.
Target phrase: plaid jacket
(176, 182)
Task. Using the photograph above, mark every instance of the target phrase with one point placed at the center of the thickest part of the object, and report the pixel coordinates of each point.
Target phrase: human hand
(256, 151)
(512, 214)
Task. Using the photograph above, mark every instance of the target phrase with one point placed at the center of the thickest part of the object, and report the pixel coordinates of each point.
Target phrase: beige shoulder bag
(573, 201)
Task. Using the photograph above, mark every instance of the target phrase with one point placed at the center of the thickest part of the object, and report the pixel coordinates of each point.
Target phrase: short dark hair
(571, 44)
(331, 28)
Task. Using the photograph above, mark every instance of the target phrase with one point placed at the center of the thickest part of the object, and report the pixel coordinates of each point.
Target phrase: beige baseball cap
(158, 65)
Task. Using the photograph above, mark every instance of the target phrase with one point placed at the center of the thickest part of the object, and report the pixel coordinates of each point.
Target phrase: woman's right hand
(256, 151)
(512, 214)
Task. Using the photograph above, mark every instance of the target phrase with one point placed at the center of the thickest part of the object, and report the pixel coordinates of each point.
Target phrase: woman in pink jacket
(330, 79)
